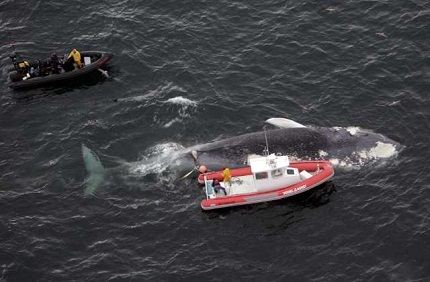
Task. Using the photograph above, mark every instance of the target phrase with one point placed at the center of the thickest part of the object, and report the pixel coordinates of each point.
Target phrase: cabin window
(290, 171)
(261, 175)
(277, 173)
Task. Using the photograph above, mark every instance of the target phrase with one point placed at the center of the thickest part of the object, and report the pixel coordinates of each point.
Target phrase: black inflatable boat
(41, 73)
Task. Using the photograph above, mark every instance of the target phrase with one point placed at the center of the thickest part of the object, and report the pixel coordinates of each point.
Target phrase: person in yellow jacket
(24, 65)
(76, 57)
(226, 174)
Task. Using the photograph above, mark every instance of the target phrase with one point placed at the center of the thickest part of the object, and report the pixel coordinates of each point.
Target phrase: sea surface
(190, 72)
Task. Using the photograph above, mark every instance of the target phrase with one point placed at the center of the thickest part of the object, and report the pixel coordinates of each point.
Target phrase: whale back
(290, 141)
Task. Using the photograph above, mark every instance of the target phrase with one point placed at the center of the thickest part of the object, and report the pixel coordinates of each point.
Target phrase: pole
(266, 150)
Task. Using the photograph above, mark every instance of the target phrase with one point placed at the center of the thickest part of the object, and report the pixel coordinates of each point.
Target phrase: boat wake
(180, 107)
(157, 93)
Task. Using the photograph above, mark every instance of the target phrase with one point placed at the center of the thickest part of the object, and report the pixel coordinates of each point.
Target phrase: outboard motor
(21, 68)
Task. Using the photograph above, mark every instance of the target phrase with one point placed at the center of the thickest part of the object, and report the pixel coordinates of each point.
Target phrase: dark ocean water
(188, 72)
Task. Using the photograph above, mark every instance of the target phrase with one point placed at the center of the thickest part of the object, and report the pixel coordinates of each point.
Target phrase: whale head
(354, 146)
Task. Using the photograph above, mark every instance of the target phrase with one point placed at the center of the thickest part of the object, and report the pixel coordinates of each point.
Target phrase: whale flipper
(284, 123)
(95, 170)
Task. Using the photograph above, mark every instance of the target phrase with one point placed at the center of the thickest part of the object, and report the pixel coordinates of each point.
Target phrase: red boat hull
(325, 172)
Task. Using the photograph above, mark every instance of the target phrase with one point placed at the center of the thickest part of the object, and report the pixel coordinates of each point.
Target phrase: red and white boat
(264, 178)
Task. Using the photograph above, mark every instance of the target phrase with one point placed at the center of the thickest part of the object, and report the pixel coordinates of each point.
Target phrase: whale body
(344, 147)
(351, 145)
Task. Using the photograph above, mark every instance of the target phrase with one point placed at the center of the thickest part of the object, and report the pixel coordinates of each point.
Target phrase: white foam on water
(170, 123)
(345, 164)
(183, 111)
(334, 162)
(322, 153)
(179, 100)
(157, 159)
(139, 98)
(167, 88)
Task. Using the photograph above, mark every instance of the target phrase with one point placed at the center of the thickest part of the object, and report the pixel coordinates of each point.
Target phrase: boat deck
(240, 185)
(245, 184)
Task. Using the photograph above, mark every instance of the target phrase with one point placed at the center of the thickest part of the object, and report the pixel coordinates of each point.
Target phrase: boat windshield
(209, 189)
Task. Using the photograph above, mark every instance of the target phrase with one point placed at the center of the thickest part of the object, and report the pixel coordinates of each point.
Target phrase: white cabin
(272, 172)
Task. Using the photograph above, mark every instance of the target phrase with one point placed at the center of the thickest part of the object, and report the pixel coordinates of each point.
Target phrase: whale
(349, 147)
(344, 147)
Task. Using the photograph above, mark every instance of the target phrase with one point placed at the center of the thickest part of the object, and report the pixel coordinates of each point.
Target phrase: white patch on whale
(380, 151)
(353, 130)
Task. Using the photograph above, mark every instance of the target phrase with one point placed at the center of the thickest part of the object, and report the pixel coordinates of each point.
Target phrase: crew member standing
(73, 60)
(226, 174)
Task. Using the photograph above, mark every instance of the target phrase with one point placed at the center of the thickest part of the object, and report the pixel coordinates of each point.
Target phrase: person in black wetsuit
(218, 187)
(55, 63)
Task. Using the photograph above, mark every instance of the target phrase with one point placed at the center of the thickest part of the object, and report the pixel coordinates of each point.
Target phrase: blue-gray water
(188, 72)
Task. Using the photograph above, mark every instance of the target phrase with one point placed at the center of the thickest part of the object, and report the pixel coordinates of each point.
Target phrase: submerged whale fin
(95, 170)
(284, 123)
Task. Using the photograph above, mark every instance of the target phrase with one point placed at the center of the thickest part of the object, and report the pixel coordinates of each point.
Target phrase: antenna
(266, 149)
